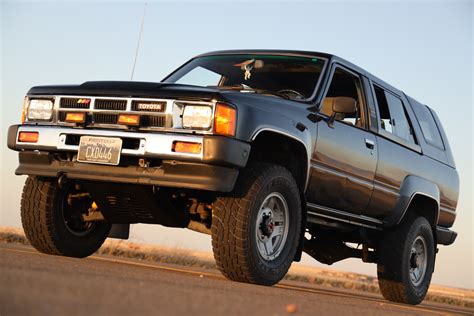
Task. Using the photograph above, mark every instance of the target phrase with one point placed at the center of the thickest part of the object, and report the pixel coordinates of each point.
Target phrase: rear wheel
(52, 219)
(255, 232)
(406, 260)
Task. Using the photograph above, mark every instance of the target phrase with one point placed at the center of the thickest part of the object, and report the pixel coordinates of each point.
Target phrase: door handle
(369, 143)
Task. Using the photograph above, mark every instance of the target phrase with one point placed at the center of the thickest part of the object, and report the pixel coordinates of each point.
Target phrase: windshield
(292, 77)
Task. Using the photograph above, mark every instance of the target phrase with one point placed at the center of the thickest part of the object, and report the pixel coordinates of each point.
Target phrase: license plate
(101, 150)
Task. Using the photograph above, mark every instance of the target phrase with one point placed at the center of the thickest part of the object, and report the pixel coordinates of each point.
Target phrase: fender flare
(301, 141)
(411, 187)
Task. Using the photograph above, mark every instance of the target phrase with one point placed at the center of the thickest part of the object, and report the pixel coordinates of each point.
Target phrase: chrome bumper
(152, 145)
(216, 168)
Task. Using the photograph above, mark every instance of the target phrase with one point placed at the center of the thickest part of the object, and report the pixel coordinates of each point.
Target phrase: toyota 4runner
(272, 153)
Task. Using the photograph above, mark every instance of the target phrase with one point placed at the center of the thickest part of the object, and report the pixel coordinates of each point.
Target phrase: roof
(269, 51)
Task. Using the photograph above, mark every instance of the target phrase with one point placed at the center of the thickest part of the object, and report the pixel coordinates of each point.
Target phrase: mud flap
(119, 231)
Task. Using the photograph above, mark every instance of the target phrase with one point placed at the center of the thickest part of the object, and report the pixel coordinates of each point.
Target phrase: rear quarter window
(428, 125)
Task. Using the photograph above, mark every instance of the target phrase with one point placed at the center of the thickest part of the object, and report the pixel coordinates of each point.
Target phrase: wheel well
(425, 206)
(282, 150)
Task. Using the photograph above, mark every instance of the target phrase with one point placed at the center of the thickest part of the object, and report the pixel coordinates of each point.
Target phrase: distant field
(205, 260)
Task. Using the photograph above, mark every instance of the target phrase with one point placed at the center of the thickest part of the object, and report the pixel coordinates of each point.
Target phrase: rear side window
(393, 117)
(428, 125)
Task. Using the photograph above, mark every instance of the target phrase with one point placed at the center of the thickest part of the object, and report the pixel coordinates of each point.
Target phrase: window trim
(360, 90)
(429, 142)
(390, 136)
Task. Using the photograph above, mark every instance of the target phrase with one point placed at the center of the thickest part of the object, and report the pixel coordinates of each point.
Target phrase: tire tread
(229, 217)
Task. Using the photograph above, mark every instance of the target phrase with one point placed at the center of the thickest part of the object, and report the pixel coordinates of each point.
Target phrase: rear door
(345, 157)
(399, 152)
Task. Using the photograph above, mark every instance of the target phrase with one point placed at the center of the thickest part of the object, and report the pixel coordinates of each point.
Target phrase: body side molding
(342, 216)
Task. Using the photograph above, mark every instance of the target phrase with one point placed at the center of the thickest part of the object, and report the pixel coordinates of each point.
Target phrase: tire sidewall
(68, 243)
(420, 227)
(275, 269)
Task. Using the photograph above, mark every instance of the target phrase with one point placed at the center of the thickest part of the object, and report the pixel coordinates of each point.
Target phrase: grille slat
(115, 105)
(62, 116)
(101, 118)
(156, 121)
(74, 103)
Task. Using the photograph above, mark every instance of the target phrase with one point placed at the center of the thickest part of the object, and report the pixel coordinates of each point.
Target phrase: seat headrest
(328, 104)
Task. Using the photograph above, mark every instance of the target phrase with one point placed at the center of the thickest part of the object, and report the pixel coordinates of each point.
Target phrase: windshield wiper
(281, 95)
(244, 87)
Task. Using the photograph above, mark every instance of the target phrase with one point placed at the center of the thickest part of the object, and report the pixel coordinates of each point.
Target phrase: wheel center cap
(267, 225)
(415, 261)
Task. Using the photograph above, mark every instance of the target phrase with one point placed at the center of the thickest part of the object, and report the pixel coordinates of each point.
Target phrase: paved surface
(36, 284)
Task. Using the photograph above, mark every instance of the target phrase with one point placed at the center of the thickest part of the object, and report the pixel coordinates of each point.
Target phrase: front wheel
(406, 260)
(255, 232)
(52, 220)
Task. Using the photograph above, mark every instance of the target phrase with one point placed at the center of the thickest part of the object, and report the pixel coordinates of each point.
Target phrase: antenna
(138, 43)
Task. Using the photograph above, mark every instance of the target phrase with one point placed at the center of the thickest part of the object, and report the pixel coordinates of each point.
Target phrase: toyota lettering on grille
(150, 106)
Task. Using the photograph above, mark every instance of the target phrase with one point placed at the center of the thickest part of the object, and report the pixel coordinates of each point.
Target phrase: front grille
(101, 118)
(106, 104)
(148, 106)
(154, 121)
(62, 116)
(103, 112)
(74, 103)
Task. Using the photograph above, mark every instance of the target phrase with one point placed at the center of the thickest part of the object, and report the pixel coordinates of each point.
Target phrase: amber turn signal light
(186, 147)
(225, 120)
(75, 118)
(126, 119)
(28, 137)
(23, 110)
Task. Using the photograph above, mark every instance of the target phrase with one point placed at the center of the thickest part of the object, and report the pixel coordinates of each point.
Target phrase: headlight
(197, 116)
(40, 109)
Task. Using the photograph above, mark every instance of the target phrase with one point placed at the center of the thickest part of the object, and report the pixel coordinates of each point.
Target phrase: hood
(267, 103)
(129, 89)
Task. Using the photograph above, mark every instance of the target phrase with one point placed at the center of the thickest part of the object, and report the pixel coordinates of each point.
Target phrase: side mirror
(342, 106)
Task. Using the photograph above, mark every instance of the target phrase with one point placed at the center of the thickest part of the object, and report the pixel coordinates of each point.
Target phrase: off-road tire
(44, 223)
(393, 265)
(233, 226)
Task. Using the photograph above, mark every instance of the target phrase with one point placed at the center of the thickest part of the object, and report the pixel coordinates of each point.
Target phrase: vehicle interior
(344, 84)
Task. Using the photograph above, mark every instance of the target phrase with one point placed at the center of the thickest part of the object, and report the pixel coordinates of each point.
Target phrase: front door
(345, 157)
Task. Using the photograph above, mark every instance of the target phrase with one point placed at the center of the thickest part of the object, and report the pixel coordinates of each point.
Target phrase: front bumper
(215, 168)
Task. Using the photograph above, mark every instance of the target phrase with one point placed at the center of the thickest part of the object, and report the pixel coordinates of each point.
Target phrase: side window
(393, 117)
(428, 125)
(345, 84)
(385, 119)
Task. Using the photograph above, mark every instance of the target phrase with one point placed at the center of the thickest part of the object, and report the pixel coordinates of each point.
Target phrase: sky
(424, 48)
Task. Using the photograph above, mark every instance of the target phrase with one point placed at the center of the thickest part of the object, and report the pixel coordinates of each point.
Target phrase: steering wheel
(290, 91)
